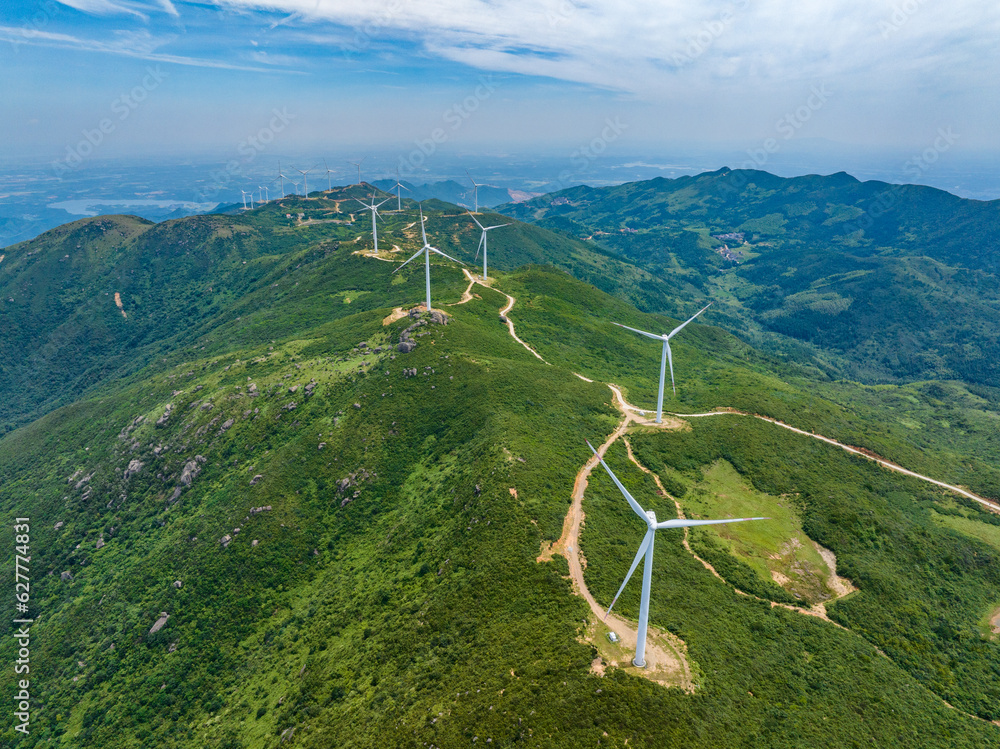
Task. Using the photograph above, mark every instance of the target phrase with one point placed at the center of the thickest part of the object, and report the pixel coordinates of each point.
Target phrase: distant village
(736, 237)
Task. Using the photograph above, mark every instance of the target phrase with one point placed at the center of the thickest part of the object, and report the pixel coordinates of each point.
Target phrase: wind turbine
(398, 185)
(281, 177)
(329, 171)
(305, 180)
(427, 250)
(374, 209)
(358, 165)
(646, 550)
(482, 240)
(475, 186)
(245, 193)
(667, 356)
(263, 193)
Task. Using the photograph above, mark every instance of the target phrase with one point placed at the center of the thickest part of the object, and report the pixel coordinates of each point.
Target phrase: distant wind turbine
(374, 209)
(281, 177)
(646, 550)
(427, 250)
(305, 180)
(398, 185)
(475, 187)
(667, 356)
(245, 193)
(358, 165)
(329, 171)
(482, 240)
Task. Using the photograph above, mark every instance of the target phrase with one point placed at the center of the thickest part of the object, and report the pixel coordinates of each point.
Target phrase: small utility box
(613, 637)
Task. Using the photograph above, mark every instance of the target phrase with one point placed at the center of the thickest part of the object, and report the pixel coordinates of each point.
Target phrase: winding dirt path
(868, 454)
(666, 654)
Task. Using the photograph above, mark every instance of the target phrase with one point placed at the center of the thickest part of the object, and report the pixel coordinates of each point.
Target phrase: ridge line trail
(864, 453)
(511, 301)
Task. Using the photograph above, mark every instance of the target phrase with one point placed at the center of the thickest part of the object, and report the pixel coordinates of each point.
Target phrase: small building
(613, 637)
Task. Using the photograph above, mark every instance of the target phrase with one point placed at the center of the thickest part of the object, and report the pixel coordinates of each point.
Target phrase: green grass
(775, 545)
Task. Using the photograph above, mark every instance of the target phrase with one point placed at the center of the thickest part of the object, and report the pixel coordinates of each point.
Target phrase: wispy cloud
(138, 44)
(645, 46)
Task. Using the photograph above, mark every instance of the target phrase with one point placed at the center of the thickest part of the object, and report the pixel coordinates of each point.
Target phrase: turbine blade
(670, 361)
(498, 226)
(682, 523)
(443, 254)
(631, 500)
(640, 332)
(677, 330)
(476, 220)
(481, 238)
(415, 255)
(384, 201)
(422, 230)
(635, 563)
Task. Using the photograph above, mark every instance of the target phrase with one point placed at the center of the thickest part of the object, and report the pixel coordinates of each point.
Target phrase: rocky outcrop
(166, 415)
(133, 469)
(191, 470)
(158, 624)
(256, 479)
(66, 577)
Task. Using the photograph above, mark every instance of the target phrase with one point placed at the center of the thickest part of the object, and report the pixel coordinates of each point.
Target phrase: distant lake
(94, 206)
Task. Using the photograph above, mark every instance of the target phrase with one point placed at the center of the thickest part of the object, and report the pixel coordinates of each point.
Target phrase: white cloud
(138, 44)
(647, 47)
(117, 7)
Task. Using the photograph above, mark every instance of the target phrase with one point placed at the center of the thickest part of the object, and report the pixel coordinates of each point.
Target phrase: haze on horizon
(163, 77)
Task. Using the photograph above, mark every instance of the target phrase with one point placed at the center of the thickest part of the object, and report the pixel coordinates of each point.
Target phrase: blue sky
(170, 77)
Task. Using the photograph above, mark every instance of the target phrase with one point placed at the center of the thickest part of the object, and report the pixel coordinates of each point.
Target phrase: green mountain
(255, 521)
(864, 280)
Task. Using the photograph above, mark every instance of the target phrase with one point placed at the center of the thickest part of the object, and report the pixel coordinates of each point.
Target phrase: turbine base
(638, 664)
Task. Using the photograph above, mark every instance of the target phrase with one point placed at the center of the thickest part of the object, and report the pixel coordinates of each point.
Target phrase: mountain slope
(399, 503)
(868, 281)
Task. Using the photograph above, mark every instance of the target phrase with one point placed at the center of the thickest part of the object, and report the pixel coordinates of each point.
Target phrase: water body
(97, 206)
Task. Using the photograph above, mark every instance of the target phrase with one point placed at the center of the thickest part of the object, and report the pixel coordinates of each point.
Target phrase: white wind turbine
(427, 250)
(646, 550)
(482, 240)
(667, 356)
(397, 186)
(374, 209)
(475, 187)
(281, 177)
(305, 180)
(358, 165)
(245, 193)
(329, 171)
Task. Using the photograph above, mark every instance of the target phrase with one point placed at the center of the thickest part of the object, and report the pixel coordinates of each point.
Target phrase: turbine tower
(398, 185)
(358, 165)
(374, 209)
(281, 177)
(667, 356)
(427, 250)
(482, 240)
(475, 187)
(245, 193)
(646, 550)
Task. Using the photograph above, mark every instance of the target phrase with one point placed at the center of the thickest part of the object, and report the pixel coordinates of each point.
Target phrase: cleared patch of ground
(777, 550)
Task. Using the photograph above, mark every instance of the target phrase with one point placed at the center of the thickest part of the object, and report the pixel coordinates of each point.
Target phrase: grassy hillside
(344, 536)
(869, 281)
